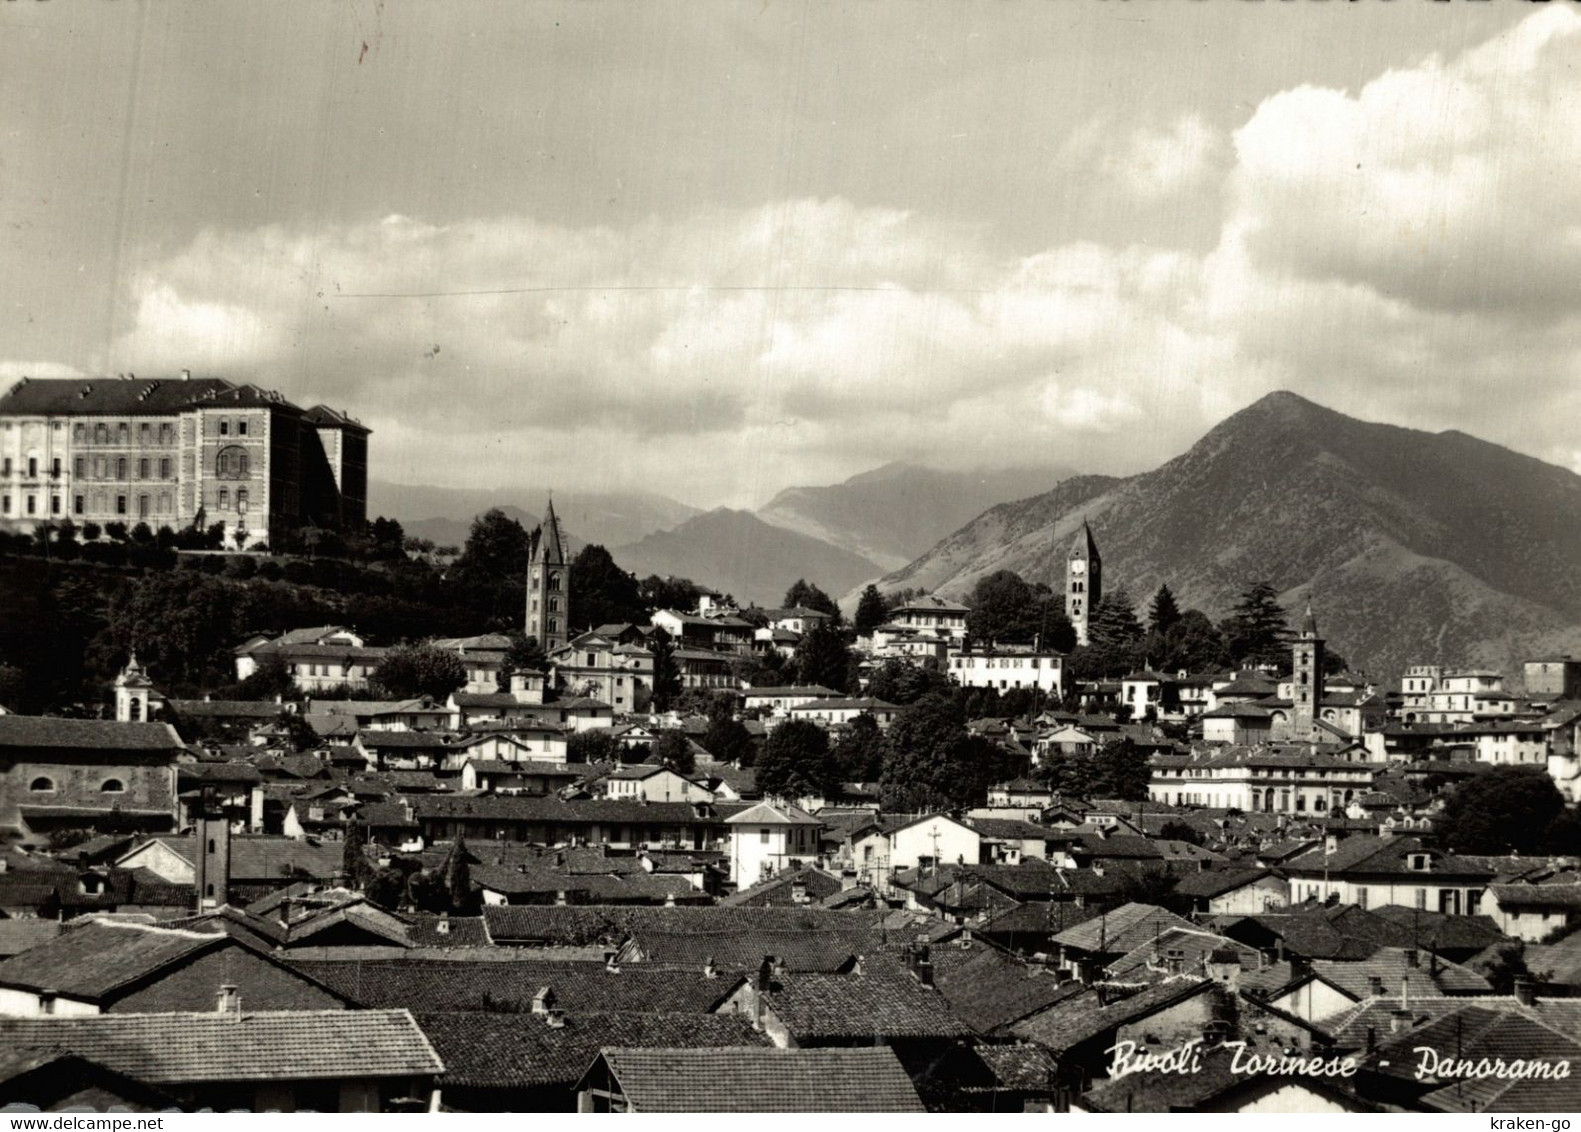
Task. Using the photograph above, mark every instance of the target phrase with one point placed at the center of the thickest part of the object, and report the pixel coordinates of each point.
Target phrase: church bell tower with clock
(1083, 581)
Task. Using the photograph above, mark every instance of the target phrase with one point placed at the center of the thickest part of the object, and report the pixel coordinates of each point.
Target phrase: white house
(828, 713)
(780, 700)
(1009, 668)
(769, 837)
(934, 839)
(654, 784)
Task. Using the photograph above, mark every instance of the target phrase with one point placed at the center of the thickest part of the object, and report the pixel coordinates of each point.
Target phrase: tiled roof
(92, 961)
(129, 396)
(285, 1046)
(20, 934)
(421, 740)
(745, 1079)
(1473, 1033)
(1119, 931)
(780, 888)
(810, 690)
(516, 1051)
(496, 808)
(768, 813)
(1391, 966)
(1537, 895)
(1077, 1019)
(991, 989)
(744, 950)
(41, 732)
(1216, 882)
(441, 985)
(265, 857)
(884, 1001)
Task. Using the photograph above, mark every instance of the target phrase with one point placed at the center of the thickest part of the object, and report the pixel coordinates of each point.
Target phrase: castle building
(1083, 582)
(1306, 680)
(170, 452)
(548, 584)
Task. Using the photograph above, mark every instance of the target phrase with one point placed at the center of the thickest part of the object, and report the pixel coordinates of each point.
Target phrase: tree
(728, 741)
(419, 670)
(1163, 614)
(1508, 809)
(1114, 636)
(1255, 631)
(270, 678)
(388, 538)
(859, 755)
(667, 593)
(91, 532)
(353, 859)
(1005, 609)
(823, 656)
(795, 762)
(674, 750)
(525, 654)
(1174, 830)
(240, 537)
(1192, 644)
(932, 762)
(595, 745)
(666, 670)
(462, 895)
(897, 682)
(116, 530)
(871, 611)
(492, 569)
(808, 596)
(603, 593)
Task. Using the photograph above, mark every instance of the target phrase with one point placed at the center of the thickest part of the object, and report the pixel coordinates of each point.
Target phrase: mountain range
(445, 514)
(1414, 547)
(892, 514)
(738, 553)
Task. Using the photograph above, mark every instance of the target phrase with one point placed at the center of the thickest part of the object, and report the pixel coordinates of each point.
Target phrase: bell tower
(548, 584)
(1083, 581)
(1306, 680)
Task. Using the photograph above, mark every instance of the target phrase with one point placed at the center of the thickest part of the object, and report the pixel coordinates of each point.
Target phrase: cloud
(1401, 252)
(1159, 163)
(1447, 184)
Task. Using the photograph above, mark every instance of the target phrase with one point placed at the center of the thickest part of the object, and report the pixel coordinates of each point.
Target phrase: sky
(715, 249)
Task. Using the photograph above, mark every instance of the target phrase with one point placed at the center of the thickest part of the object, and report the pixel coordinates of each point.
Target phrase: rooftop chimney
(228, 1001)
(46, 1000)
(1525, 991)
(709, 970)
(443, 927)
(555, 1018)
(1375, 985)
(543, 1001)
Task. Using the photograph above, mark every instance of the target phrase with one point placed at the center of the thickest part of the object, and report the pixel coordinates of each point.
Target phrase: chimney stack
(555, 1018)
(543, 1001)
(228, 1001)
(46, 1001)
(1525, 991)
(709, 970)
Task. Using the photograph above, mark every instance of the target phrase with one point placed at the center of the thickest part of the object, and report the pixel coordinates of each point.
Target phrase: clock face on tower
(1078, 567)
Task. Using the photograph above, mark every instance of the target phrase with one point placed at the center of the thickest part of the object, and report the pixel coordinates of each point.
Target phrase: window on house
(32, 505)
(142, 507)
(120, 467)
(54, 466)
(32, 467)
(241, 428)
(120, 504)
(79, 433)
(164, 468)
(54, 505)
(225, 498)
(5, 466)
(1421, 898)
(123, 433)
(79, 467)
(113, 786)
(225, 428)
(42, 785)
(78, 504)
(231, 462)
(763, 837)
(241, 500)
